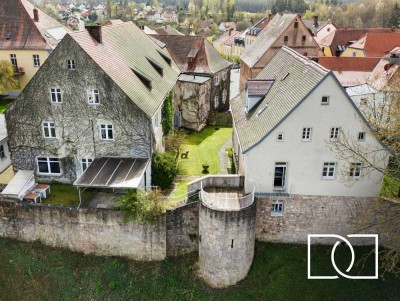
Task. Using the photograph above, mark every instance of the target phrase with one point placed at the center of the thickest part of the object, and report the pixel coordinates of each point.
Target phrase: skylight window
(144, 79)
(262, 109)
(284, 77)
(156, 66)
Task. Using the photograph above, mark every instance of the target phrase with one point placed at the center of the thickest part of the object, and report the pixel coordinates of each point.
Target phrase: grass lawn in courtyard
(32, 271)
(4, 103)
(66, 195)
(203, 148)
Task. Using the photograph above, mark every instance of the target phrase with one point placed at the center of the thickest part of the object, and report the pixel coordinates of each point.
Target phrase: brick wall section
(305, 215)
(97, 231)
(221, 262)
(183, 229)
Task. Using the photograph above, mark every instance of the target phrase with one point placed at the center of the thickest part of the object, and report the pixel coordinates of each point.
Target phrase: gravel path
(223, 157)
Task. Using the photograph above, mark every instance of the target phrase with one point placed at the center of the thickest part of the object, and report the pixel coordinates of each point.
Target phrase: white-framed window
(93, 97)
(224, 75)
(279, 137)
(85, 163)
(334, 134)
(55, 95)
(216, 101)
(325, 100)
(306, 136)
(14, 62)
(328, 171)
(355, 170)
(71, 64)
(156, 120)
(216, 79)
(49, 165)
(277, 208)
(106, 132)
(2, 152)
(280, 175)
(361, 136)
(49, 130)
(36, 60)
(224, 95)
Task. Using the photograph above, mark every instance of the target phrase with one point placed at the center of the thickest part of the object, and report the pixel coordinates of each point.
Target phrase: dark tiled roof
(207, 60)
(310, 24)
(259, 87)
(348, 63)
(125, 48)
(16, 19)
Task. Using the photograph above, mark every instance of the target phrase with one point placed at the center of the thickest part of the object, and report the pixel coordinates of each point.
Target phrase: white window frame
(361, 136)
(216, 79)
(327, 168)
(282, 135)
(57, 95)
(36, 60)
(325, 100)
(2, 152)
(14, 61)
(283, 165)
(355, 170)
(93, 97)
(85, 163)
(277, 208)
(51, 129)
(334, 133)
(224, 75)
(48, 160)
(216, 101)
(71, 65)
(107, 127)
(224, 96)
(306, 134)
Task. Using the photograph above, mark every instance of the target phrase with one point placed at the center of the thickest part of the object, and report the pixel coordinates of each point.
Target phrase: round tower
(227, 237)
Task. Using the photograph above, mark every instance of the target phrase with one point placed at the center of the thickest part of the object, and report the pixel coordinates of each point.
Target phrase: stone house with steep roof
(282, 30)
(203, 86)
(28, 36)
(95, 104)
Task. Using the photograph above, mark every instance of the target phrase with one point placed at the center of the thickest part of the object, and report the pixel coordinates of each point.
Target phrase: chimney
(95, 32)
(315, 18)
(35, 15)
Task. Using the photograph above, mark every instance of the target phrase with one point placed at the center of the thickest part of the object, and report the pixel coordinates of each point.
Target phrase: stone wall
(183, 229)
(227, 181)
(226, 247)
(97, 231)
(220, 119)
(305, 215)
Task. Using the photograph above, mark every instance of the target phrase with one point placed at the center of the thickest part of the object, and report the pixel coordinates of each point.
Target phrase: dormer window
(144, 79)
(156, 66)
(165, 57)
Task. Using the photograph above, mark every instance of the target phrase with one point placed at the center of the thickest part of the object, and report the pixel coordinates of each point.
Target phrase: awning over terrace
(113, 173)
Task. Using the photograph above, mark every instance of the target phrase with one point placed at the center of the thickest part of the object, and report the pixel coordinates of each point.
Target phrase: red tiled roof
(378, 44)
(348, 63)
(16, 22)
(342, 37)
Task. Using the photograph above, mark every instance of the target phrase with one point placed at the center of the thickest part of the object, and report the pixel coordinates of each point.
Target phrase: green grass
(203, 148)
(31, 271)
(4, 104)
(66, 195)
(390, 188)
(180, 189)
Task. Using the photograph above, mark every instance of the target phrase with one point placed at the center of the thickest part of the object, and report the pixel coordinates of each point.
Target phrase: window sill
(279, 189)
(49, 174)
(276, 214)
(50, 138)
(328, 178)
(107, 140)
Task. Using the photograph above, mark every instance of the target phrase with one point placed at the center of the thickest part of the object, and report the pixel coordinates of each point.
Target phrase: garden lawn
(203, 148)
(66, 195)
(4, 104)
(32, 271)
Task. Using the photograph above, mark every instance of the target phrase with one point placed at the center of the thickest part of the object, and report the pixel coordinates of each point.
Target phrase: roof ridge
(305, 60)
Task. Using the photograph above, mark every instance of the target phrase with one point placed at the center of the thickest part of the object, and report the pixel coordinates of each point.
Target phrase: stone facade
(303, 215)
(226, 247)
(220, 89)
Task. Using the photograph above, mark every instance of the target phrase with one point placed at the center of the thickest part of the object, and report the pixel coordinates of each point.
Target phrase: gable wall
(77, 123)
(305, 159)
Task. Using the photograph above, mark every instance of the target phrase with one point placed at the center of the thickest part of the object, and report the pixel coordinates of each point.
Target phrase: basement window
(277, 208)
(156, 66)
(165, 57)
(145, 80)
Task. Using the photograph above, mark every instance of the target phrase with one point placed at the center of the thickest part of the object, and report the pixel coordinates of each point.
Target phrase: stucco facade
(305, 159)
